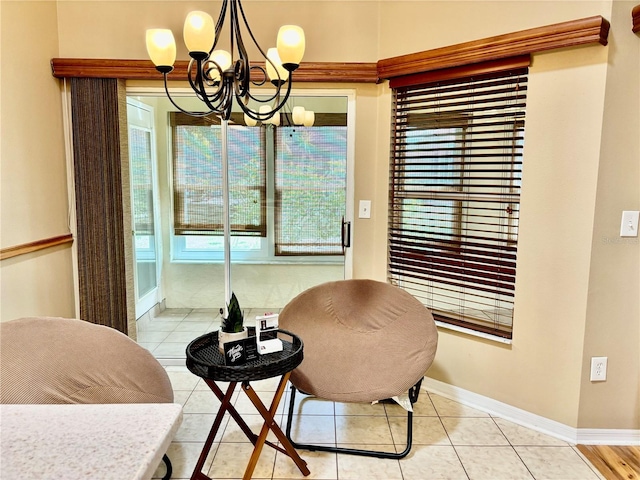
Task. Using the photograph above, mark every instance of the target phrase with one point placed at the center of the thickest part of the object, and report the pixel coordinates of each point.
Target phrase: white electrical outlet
(598, 369)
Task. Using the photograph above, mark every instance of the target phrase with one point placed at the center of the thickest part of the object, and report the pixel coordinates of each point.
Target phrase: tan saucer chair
(364, 341)
(47, 360)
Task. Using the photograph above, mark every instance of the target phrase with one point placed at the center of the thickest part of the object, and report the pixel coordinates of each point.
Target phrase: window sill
(473, 333)
(292, 261)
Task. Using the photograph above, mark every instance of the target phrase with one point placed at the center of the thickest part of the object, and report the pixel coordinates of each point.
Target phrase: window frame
(266, 253)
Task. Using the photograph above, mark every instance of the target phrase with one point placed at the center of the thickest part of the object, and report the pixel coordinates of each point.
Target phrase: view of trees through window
(287, 189)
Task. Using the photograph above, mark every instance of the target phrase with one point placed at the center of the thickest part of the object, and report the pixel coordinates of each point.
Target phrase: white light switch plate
(364, 210)
(629, 223)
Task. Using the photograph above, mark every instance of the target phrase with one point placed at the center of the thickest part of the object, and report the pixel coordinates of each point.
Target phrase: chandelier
(218, 76)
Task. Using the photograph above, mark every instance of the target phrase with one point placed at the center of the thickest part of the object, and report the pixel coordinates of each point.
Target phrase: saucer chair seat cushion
(364, 340)
(45, 360)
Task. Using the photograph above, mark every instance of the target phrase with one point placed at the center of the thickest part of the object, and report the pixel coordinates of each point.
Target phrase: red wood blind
(455, 179)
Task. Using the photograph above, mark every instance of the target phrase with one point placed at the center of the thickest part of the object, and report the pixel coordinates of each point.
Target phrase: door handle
(346, 234)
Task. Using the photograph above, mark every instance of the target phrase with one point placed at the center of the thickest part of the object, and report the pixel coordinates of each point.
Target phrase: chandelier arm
(226, 103)
(212, 100)
(265, 77)
(267, 100)
(193, 114)
(199, 88)
(255, 42)
(234, 30)
(266, 116)
(242, 69)
(255, 115)
(196, 85)
(285, 98)
(219, 101)
(219, 24)
(213, 82)
(246, 23)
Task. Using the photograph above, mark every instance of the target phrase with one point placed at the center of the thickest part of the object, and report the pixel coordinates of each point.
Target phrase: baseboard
(584, 436)
(595, 436)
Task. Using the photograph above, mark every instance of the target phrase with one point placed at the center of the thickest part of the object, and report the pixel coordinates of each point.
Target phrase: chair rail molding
(36, 246)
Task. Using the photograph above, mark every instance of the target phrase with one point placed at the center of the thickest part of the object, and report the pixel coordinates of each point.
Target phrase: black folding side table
(205, 360)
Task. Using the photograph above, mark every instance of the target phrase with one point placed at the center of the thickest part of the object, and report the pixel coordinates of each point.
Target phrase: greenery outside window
(287, 191)
(310, 189)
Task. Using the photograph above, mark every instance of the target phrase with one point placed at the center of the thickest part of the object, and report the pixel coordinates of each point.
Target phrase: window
(197, 177)
(456, 169)
(310, 171)
(276, 174)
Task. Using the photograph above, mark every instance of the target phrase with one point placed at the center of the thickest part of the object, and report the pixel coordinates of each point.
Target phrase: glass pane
(143, 214)
(310, 190)
(198, 180)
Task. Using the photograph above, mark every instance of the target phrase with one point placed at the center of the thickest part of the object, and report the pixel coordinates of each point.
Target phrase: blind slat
(454, 196)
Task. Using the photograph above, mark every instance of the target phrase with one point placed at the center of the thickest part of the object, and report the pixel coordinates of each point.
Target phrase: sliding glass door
(143, 164)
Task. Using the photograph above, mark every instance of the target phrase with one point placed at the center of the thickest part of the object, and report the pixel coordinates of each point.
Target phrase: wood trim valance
(584, 31)
(323, 72)
(525, 42)
(30, 247)
(635, 18)
(473, 70)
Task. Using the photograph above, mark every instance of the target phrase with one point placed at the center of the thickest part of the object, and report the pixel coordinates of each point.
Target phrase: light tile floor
(450, 441)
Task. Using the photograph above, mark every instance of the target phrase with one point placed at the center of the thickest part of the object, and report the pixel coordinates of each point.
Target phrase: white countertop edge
(119, 441)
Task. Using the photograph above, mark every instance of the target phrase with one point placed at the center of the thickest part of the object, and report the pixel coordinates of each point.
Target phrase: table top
(205, 360)
(77, 441)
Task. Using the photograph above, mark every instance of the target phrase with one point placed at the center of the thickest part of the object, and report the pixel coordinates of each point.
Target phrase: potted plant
(232, 327)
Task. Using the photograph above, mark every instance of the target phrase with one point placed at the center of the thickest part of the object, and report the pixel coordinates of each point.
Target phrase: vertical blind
(98, 111)
(197, 177)
(456, 169)
(310, 189)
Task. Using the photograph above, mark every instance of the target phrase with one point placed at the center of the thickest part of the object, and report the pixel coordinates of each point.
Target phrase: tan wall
(545, 370)
(568, 280)
(33, 180)
(414, 26)
(612, 326)
(335, 31)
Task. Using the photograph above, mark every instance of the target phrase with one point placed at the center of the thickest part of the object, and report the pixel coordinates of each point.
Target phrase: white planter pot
(224, 337)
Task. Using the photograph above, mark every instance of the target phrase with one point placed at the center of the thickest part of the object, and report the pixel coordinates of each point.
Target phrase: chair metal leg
(413, 397)
(167, 463)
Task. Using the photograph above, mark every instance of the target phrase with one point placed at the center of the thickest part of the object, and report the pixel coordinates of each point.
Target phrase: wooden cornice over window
(324, 72)
(568, 34)
(473, 70)
(635, 17)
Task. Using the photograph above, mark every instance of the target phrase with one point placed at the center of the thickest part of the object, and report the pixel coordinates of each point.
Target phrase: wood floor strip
(613, 462)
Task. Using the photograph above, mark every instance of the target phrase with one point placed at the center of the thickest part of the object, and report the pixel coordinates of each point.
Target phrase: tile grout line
(513, 447)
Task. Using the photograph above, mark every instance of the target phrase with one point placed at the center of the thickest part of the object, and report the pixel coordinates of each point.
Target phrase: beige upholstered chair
(364, 341)
(47, 360)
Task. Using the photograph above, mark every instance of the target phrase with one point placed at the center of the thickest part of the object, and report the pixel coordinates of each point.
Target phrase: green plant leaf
(234, 321)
